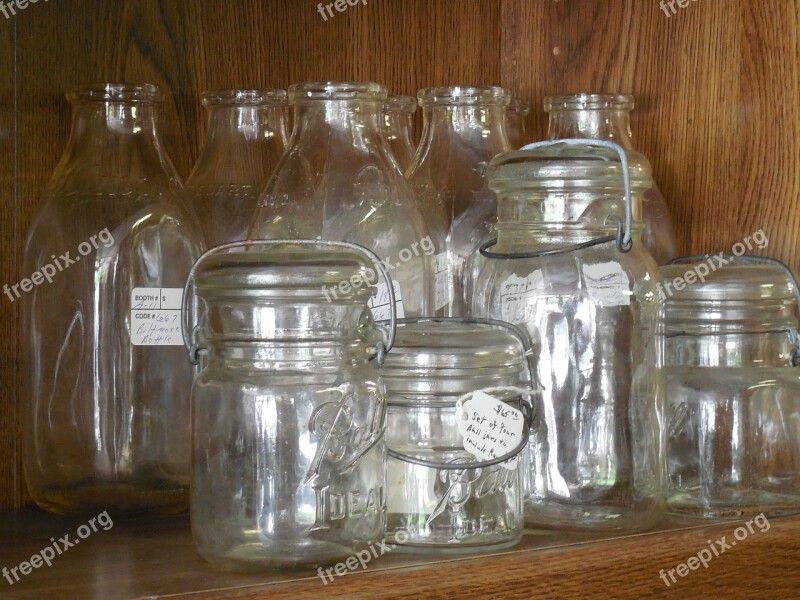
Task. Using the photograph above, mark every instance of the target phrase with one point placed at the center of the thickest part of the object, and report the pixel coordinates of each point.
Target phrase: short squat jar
(733, 390)
(289, 459)
(440, 499)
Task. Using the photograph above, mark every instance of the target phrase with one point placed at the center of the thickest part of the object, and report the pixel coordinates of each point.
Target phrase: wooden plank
(156, 558)
(716, 86)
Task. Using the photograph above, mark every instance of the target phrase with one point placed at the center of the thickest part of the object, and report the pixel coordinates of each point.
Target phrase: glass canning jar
(105, 406)
(441, 496)
(569, 267)
(462, 130)
(398, 124)
(607, 117)
(339, 181)
(733, 389)
(245, 139)
(289, 413)
(516, 121)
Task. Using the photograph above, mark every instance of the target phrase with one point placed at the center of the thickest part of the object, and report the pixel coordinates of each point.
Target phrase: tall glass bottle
(398, 123)
(516, 120)
(245, 138)
(462, 131)
(338, 181)
(607, 117)
(106, 410)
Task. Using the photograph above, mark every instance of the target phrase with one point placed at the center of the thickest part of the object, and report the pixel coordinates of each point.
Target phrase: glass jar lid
(450, 357)
(566, 167)
(727, 297)
(287, 272)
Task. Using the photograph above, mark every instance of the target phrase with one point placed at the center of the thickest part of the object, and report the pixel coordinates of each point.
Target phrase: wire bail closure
(794, 334)
(622, 237)
(527, 408)
(191, 335)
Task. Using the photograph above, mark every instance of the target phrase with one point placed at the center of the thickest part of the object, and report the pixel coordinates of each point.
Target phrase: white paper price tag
(156, 317)
(380, 303)
(490, 428)
(608, 284)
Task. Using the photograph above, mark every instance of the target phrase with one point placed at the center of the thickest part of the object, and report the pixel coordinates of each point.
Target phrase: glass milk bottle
(245, 138)
(569, 267)
(105, 411)
(607, 117)
(462, 130)
(339, 181)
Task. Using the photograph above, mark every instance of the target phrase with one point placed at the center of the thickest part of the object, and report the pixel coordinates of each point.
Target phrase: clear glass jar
(398, 124)
(105, 411)
(289, 414)
(245, 139)
(733, 390)
(591, 309)
(607, 117)
(462, 130)
(516, 121)
(339, 181)
(439, 497)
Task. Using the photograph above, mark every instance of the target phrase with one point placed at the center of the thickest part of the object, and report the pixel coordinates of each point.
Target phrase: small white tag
(441, 281)
(489, 427)
(156, 316)
(380, 302)
(515, 293)
(608, 284)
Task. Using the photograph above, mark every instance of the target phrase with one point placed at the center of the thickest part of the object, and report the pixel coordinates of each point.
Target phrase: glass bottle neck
(612, 124)
(116, 139)
(243, 125)
(358, 120)
(472, 127)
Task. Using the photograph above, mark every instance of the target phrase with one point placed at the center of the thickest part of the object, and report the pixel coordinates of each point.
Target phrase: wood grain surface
(156, 559)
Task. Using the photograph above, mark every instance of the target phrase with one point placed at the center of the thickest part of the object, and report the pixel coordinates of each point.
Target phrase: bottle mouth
(256, 97)
(588, 102)
(331, 90)
(401, 104)
(464, 96)
(115, 92)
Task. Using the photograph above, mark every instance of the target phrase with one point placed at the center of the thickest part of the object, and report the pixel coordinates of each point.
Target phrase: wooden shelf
(156, 559)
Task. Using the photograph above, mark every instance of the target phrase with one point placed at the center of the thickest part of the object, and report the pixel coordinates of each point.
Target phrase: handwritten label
(516, 294)
(490, 428)
(156, 316)
(441, 281)
(608, 284)
(380, 302)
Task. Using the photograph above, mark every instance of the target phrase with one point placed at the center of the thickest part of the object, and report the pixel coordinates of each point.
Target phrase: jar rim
(244, 97)
(115, 92)
(400, 103)
(337, 90)
(588, 101)
(467, 95)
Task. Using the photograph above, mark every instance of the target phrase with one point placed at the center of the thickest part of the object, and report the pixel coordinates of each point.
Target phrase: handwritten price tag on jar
(490, 428)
